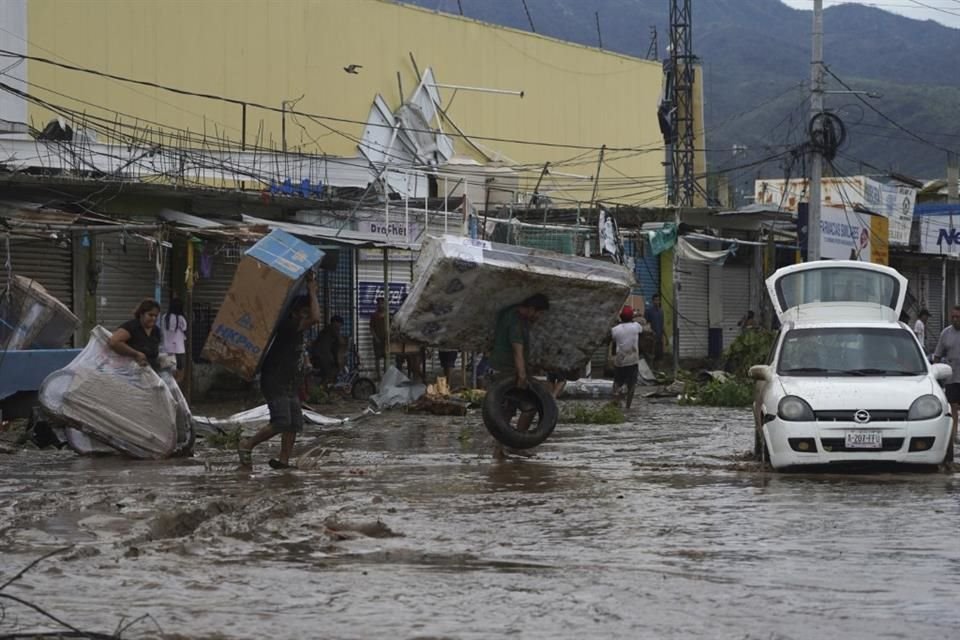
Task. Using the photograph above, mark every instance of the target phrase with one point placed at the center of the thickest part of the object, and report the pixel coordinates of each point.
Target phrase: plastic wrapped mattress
(462, 284)
(118, 402)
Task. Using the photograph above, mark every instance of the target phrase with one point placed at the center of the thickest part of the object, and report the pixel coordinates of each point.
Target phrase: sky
(943, 11)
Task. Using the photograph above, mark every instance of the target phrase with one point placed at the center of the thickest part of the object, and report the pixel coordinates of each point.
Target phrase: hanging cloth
(663, 238)
(687, 251)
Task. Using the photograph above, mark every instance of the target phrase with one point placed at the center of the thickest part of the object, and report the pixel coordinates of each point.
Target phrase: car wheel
(497, 414)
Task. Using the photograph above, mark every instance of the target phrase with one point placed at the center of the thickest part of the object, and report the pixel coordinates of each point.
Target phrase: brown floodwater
(404, 526)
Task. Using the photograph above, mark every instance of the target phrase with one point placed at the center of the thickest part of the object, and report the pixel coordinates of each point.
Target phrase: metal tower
(680, 91)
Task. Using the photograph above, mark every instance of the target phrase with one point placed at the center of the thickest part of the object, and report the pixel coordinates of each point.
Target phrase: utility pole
(816, 108)
(682, 148)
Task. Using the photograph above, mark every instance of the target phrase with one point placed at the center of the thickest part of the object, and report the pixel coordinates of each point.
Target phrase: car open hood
(857, 392)
(827, 286)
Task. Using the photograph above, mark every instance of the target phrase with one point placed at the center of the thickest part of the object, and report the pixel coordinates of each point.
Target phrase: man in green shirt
(511, 348)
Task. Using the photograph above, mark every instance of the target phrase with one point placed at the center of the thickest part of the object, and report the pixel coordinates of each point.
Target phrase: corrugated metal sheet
(126, 277)
(370, 270)
(934, 299)
(43, 261)
(692, 308)
(210, 292)
(737, 300)
(646, 266)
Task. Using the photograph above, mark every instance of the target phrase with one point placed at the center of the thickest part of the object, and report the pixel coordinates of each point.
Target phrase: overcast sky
(943, 11)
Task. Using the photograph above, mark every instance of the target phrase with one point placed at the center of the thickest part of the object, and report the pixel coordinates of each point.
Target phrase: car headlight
(794, 409)
(925, 408)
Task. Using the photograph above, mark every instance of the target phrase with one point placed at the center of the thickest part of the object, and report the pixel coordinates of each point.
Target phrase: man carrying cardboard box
(280, 376)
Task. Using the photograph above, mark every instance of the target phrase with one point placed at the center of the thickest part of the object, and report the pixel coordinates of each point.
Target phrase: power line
(930, 6)
(885, 116)
(272, 109)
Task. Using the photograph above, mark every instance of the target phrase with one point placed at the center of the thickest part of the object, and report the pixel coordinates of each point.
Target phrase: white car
(846, 382)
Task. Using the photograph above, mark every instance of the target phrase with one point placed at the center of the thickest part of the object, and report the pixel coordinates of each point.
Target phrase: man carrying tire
(511, 347)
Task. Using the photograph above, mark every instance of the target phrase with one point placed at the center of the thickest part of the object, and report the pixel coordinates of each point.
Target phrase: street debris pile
(452, 274)
(396, 390)
(119, 403)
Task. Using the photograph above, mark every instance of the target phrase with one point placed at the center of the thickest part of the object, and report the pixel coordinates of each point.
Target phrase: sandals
(276, 464)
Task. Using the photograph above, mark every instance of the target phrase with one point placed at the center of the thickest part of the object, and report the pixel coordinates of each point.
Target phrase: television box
(268, 277)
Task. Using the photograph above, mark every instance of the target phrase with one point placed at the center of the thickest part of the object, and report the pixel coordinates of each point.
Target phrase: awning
(341, 236)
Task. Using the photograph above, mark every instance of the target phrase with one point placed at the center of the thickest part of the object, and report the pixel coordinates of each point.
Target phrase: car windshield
(854, 351)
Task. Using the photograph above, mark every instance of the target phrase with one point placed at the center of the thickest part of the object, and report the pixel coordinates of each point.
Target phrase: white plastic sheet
(113, 399)
(253, 419)
(396, 390)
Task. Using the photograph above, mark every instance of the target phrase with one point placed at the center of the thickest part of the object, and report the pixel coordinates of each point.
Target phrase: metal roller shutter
(736, 300)
(210, 292)
(369, 285)
(49, 264)
(126, 277)
(692, 307)
(934, 300)
(646, 267)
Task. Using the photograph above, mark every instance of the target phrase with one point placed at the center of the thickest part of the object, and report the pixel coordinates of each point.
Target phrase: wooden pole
(188, 311)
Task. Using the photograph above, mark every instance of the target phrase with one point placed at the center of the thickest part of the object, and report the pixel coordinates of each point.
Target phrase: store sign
(893, 202)
(847, 235)
(940, 234)
(369, 292)
(393, 230)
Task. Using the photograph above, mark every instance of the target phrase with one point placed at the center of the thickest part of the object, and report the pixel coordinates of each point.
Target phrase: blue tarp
(25, 370)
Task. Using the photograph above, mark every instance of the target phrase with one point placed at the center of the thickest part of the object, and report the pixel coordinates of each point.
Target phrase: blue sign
(368, 292)
(951, 237)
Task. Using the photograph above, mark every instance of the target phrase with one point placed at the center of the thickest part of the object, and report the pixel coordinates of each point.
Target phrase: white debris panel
(462, 284)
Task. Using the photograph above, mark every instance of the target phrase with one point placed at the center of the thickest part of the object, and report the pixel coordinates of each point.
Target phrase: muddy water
(406, 528)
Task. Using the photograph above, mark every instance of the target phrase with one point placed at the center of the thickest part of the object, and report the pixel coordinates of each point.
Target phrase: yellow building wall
(270, 51)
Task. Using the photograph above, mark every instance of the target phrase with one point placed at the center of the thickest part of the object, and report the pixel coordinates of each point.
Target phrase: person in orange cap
(625, 345)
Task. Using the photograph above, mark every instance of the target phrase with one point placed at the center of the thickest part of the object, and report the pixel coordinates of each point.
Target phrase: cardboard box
(267, 279)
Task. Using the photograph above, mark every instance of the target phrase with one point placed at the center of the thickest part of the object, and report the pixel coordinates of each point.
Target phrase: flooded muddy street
(405, 527)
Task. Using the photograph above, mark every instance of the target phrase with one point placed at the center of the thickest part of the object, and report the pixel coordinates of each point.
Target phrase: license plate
(864, 440)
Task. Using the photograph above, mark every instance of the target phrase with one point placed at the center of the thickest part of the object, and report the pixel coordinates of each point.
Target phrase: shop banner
(847, 235)
(939, 230)
(369, 292)
(892, 201)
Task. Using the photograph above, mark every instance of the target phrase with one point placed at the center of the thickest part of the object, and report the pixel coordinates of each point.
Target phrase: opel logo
(861, 416)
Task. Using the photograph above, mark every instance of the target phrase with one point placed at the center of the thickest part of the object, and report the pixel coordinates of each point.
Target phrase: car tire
(362, 389)
(501, 428)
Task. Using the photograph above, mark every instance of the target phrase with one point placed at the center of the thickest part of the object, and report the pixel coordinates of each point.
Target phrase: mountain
(756, 60)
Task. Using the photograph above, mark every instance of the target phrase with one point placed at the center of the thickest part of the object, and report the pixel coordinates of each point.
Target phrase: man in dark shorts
(948, 351)
(511, 350)
(280, 377)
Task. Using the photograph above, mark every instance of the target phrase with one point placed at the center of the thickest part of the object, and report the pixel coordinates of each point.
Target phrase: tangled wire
(827, 134)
